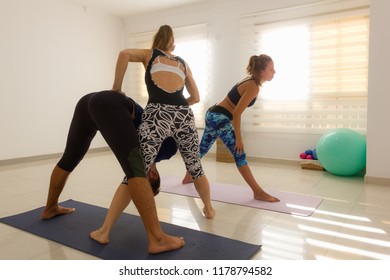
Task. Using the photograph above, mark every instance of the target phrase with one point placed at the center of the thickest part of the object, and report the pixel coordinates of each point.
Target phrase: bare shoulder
(249, 88)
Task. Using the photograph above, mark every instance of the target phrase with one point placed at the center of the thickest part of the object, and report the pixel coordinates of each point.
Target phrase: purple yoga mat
(290, 203)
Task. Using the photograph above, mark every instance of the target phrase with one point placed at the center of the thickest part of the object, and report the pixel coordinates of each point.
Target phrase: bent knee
(196, 173)
(240, 159)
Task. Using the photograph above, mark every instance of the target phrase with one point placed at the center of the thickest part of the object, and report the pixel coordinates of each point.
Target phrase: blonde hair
(163, 39)
(257, 63)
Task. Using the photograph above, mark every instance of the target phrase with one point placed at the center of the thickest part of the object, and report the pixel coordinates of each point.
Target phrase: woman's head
(155, 184)
(261, 68)
(164, 39)
(154, 179)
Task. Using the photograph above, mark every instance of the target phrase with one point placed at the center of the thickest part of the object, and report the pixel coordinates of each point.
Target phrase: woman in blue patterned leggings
(224, 120)
(219, 125)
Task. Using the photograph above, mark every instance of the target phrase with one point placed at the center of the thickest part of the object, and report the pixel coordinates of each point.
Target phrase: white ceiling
(124, 8)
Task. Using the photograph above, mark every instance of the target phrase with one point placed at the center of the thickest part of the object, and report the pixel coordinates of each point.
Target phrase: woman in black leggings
(111, 113)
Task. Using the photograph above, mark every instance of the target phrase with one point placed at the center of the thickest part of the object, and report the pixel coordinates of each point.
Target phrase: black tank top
(234, 96)
(157, 94)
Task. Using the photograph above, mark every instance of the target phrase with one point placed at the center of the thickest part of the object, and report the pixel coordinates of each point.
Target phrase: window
(321, 62)
(192, 45)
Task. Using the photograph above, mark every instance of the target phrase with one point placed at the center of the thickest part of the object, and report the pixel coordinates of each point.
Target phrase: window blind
(321, 63)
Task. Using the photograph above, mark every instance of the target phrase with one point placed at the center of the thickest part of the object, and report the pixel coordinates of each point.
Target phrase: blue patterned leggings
(219, 125)
(160, 121)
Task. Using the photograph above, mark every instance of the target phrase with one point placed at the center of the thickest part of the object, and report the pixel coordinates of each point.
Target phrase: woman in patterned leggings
(224, 120)
(167, 114)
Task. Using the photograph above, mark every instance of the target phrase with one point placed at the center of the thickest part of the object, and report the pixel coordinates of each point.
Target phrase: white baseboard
(376, 180)
(274, 160)
(45, 157)
(367, 179)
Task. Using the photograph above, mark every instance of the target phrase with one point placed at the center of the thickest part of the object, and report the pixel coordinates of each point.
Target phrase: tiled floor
(352, 222)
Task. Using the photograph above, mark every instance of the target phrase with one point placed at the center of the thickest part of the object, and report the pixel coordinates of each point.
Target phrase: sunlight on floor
(351, 223)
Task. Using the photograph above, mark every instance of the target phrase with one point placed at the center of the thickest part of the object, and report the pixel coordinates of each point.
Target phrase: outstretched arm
(250, 92)
(126, 56)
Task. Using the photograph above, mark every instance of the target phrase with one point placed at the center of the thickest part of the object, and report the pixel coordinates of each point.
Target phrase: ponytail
(256, 64)
(163, 38)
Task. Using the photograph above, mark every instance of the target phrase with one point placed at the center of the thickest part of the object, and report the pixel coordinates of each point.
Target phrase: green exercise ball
(342, 151)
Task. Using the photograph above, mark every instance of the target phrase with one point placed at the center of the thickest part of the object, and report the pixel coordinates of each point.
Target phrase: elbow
(196, 99)
(124, 55)
(195, 96)
(192, 100)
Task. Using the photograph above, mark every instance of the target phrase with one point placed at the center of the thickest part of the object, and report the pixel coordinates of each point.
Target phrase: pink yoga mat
(290, 203)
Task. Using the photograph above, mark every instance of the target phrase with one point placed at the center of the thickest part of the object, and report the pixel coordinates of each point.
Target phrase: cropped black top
(234, 96)
(156, 93)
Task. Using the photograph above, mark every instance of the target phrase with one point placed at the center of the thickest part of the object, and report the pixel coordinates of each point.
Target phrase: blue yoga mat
(128, 239)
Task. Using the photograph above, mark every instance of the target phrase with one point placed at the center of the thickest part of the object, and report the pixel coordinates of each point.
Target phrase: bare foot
(165, 244)
(209, 213)
(53, 212)
(187, 178)
(262, 195)
(99, 236)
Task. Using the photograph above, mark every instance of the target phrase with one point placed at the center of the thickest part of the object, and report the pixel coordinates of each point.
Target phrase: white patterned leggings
(160, 121)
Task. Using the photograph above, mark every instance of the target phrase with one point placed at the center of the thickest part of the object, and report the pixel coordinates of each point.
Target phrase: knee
(68, 164)
(240, 159)
(195, 172)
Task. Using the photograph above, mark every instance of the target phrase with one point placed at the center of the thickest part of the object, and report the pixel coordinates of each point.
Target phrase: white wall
(378, 132)
(52, 52)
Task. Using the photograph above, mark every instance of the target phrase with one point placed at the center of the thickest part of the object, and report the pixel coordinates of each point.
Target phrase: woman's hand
(118, 90)
(239, 148)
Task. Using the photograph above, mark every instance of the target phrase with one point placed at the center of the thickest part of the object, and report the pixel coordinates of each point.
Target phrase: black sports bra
(234, 96)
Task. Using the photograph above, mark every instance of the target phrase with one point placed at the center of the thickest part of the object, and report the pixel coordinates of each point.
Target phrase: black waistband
(221, 110)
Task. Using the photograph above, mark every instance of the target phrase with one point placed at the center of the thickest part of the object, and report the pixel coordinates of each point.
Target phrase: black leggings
(110, 113)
